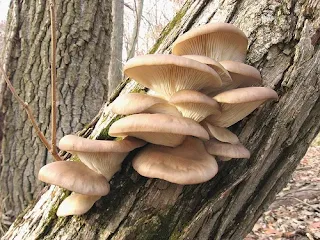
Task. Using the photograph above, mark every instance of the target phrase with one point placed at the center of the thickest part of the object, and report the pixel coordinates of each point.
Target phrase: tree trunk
(83, 53)
(284, 45)
(136, 27)
(115, 69)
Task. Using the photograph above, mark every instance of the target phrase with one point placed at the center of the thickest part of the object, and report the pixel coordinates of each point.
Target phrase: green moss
(104, 134)
(139, 89)
(170, 26)
(52, 219)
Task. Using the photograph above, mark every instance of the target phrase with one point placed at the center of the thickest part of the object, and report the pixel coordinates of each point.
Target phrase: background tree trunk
(115, 70)
(83, 54)
(138, 8)
(284, 45)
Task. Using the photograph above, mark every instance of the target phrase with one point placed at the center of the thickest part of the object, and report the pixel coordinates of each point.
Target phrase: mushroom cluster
(195, 94)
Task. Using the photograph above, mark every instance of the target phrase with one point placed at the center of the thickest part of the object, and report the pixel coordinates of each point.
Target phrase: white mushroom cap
(132, 103)
(102, 156)
(167, 74)
(74, 176)
(219, 41)
(188, 163)
(239, 103)
(243, 75)
(76, 204)
(195, 105)
(220, 133)
(158, 128)
(226, 150)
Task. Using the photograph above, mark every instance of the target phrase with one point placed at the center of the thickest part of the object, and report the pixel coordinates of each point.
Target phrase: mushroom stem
(76, 204)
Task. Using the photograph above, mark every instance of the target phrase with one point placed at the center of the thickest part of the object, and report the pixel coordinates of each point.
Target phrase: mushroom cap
(219, 41)
(132, 103)
(102, 156)
(188, 163)
(222, 72)
(195, 105)
(243, 75)
(238, 103)
(76, 204)
(226, 150)
(159, 129)
(167, 74)
(74, 176)
(220, 133)
(73, 143)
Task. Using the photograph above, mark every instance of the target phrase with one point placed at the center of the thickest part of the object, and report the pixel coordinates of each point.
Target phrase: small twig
(30, 114)
(53, 78)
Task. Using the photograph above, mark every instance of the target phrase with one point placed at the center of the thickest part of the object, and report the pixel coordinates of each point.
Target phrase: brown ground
(296, 212)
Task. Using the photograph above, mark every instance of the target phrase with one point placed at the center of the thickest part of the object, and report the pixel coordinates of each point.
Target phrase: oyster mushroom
(74, 176)
(188, 163)
(224, 75)
(132, 103)
(238, 103)
(226, 150)
(167, 74)
(195, 105)
(102, 156)
(220, 133)
(219, 41)
(76, 204)
(243, 75)
(159, 129)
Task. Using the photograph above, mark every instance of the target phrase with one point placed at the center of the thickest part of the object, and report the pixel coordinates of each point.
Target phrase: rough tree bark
(284, 45)
(83, 54)
(115, 70)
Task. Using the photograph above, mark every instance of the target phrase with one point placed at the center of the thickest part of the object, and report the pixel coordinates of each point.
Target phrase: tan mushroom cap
(76, 204)
(167, 74)
(219, 41)
(226, 150)
(75, 143)
(239, 103)
(220, 133)
(188, 163)
(195, 105)
(222, 72)
(132, 103)
(74, 176)
(159, 129)
(102, 156)
(243, 75)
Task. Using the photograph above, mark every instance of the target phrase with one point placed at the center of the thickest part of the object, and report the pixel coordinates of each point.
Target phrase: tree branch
(30, 115)
(53, 78)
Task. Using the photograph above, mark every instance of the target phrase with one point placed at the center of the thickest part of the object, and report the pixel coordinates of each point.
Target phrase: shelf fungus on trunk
(74, 176)
(223, 73)
(219, 41)
(194, 100)
(220, 133)
(226, 151)
(167, 74)
(195, 105)
(238, 103)
(242, 75)
(102, 156)
(189, 163)
(88, 179)
(133, 103)
(161, 129)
